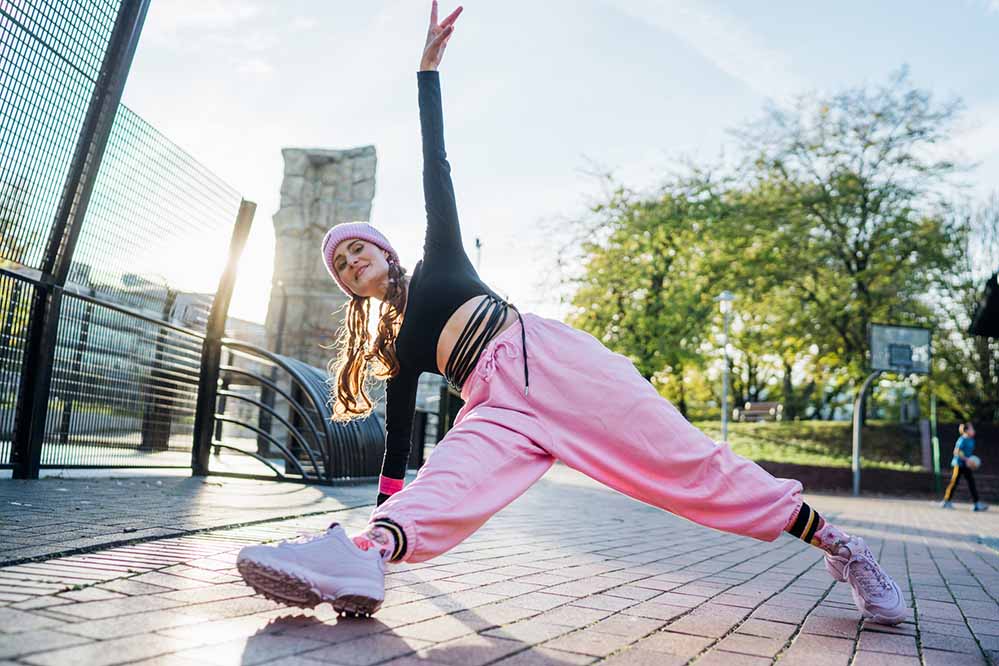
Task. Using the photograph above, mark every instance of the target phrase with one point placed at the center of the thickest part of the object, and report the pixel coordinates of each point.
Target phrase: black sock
(806, 523)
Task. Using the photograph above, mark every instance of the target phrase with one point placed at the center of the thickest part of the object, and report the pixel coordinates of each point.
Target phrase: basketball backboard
(902, 349)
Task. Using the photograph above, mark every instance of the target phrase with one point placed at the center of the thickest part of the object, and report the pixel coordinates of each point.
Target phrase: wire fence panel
(15, 300)
(153, 241)
(123, 391)
(50, 56)
(77, 31)
(109, 354)
(157, 226)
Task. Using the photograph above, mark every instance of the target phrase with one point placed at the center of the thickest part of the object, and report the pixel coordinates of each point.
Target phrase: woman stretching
(535, 391)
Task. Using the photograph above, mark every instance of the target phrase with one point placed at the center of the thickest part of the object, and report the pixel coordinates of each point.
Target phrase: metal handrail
(292, 429)
(317, 401)
(274, 387)
(344, 450)
(72, 290)
(347, 451)
(219, 445)
(287, 454)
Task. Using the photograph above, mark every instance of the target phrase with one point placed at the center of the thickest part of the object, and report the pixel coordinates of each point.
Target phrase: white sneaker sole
(888, 620)
(291, 587)
(890, 617)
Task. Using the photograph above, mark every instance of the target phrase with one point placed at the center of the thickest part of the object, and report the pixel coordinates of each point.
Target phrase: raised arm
(443, 230)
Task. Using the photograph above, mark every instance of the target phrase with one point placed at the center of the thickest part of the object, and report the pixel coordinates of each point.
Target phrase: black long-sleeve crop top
(441, 282)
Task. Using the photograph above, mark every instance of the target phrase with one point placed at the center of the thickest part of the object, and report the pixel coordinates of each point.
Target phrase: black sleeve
(400, 403)
(443, 231)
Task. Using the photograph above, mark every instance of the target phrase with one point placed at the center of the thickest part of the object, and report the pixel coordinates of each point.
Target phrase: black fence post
(264, 421)
(46, 304)
(211, 351)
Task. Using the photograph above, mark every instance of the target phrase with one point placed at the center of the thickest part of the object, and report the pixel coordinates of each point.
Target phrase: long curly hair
(359, 358)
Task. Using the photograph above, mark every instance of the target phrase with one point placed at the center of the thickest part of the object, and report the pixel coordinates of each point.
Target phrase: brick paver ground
(58, 515)
(569, 574)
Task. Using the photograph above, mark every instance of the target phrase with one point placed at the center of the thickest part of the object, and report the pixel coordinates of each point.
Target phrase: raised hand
(437, 38)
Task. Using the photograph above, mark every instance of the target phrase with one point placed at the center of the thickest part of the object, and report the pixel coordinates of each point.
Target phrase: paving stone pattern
(571, 573)
(53, 516)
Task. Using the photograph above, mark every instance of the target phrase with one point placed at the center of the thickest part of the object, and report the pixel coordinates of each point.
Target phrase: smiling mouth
(360, 271)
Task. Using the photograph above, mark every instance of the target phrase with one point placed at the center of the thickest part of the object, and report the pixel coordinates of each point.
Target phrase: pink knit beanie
(344, 231)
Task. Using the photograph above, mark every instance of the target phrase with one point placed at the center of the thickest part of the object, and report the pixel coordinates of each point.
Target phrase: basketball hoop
(902, 350)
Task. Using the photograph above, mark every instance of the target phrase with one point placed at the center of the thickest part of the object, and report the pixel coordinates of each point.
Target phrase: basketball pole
(903, 350)
(858, 408)
(935, 440)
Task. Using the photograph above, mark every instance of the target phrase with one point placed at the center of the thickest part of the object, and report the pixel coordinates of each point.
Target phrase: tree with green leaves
(643, 286)
(836, 218)
(842, 210)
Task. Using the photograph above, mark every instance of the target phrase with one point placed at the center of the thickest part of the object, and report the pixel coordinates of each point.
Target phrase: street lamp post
(725, 304)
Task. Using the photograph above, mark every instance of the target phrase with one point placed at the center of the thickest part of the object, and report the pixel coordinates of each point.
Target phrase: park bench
(759, 411)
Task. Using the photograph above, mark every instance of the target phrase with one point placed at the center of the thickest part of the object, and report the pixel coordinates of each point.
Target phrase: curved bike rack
(293, 419)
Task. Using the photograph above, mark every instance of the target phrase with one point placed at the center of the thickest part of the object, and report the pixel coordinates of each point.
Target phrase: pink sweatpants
(589, 408)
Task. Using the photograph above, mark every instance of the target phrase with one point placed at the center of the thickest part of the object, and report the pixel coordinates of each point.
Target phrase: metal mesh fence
(77, 31)
(123, 391)
(15, 299)
(158, 223)
(50, 55)
(153, 240)
(111, 359)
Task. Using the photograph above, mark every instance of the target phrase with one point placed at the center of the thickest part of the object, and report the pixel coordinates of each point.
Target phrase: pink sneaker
(327, 567)
(877, 596)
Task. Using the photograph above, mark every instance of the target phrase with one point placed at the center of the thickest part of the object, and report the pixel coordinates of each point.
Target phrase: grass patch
(822, 443)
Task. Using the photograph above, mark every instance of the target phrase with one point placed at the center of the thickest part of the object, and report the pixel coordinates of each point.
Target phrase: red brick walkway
(569, 574)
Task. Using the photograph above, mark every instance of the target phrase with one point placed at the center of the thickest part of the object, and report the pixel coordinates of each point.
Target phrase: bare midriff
(456, 324)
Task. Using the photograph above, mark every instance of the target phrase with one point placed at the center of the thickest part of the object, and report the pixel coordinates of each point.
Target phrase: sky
(537, 97)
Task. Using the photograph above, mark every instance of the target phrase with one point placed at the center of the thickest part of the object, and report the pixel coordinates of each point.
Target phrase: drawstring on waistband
(523, 343)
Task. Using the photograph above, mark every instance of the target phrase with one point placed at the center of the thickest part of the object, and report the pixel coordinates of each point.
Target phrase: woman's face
(969, 430)
(362, 266)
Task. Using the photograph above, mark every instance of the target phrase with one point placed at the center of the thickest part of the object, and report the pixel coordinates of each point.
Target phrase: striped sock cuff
(398, 535)
(805, 524)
